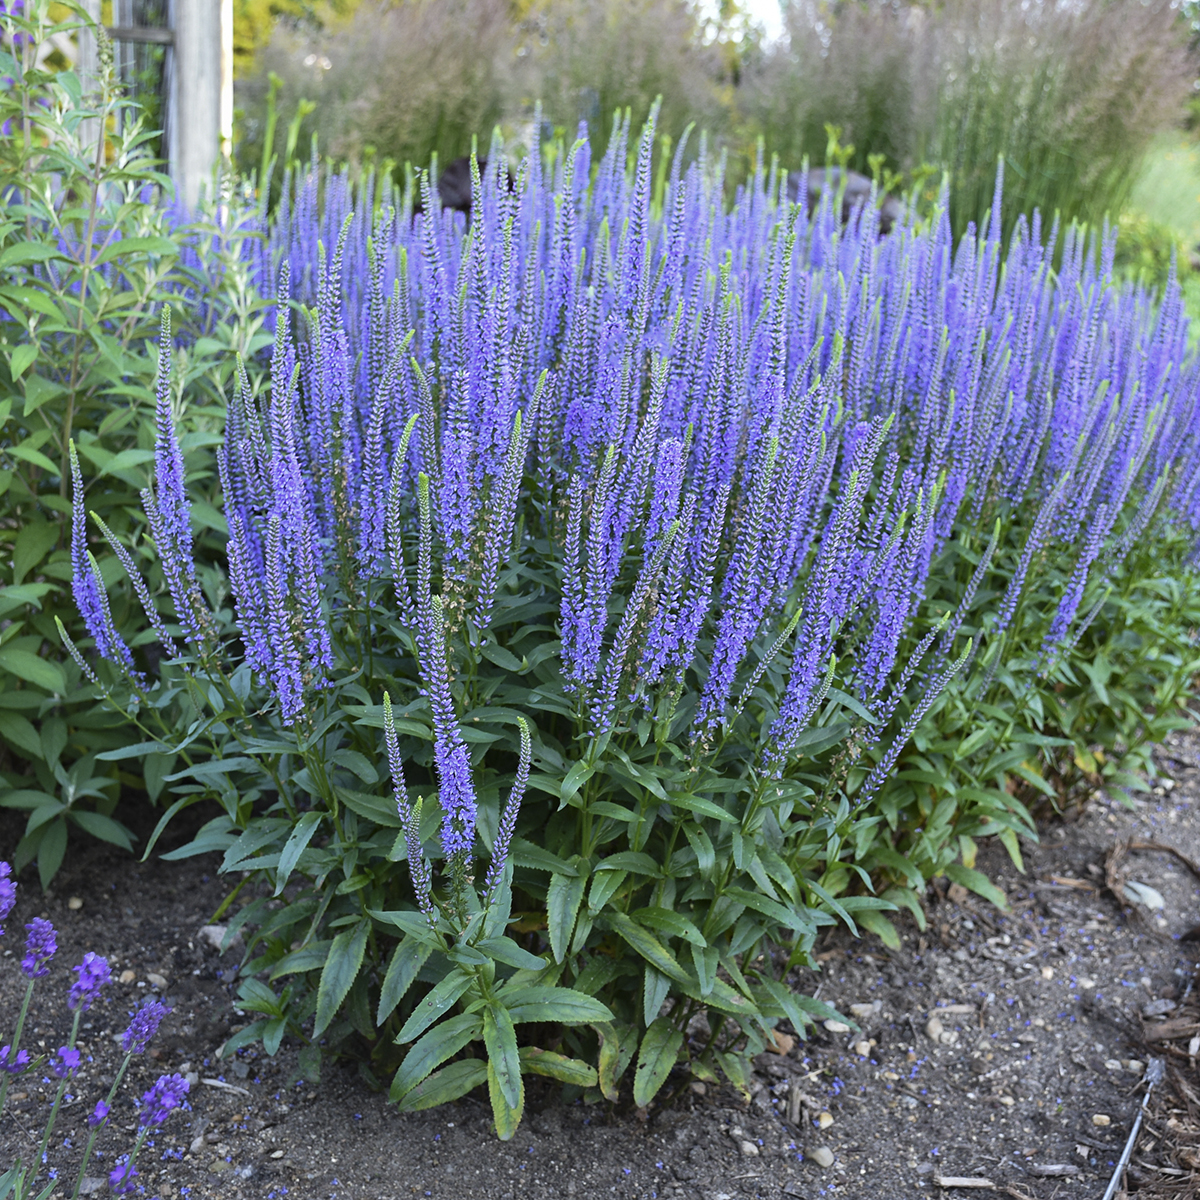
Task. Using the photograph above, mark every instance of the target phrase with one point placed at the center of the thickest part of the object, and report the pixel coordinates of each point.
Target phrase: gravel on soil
(995, 1048)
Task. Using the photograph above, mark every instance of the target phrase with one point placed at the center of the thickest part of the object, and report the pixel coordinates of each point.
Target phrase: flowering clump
(679, 524)
(167, 1093)
(143, 1027)
(8, 893)
(94, 972)
(40, 947)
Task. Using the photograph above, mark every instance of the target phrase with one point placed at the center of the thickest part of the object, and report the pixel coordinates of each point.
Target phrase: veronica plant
(21, 1181)
(672, 526)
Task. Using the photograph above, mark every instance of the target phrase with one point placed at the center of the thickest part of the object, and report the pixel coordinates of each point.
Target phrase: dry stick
(1154, 1074)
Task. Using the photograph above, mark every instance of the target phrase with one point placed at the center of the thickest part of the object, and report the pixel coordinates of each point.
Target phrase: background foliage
(87, 260)
(1070, 95)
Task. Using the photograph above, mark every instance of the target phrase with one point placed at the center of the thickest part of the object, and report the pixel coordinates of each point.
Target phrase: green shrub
(87, 259)
(1069, 95)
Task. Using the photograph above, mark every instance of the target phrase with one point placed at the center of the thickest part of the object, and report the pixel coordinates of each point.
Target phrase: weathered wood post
(196, 102)
(87, 67)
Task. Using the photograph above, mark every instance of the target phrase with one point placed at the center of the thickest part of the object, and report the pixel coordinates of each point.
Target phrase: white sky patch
(768, 14)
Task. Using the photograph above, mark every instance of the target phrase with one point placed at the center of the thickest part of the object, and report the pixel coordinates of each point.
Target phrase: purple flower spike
(65, 1061)
(14, 1064)
(167, 1093)
(98, 1115)
(121, 1177)
(40, 945)
(93, 973)
(8, 893)
(143, 1027)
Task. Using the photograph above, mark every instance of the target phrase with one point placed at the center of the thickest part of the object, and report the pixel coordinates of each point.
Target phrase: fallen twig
(1154, 1074)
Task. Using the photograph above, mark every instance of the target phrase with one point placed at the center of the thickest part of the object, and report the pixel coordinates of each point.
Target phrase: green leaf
(305, 958)
(33, 669)
(977, 882)
(646, 944)
(26, 593)
(526, 854)
(610, 1060)
(666, 920)
(273, 1034)
(341, 969)
(154, 770)
(408, 958)
(881, 927)
(441, 1042)
(21, 733)
(102, 827)
(135, 245)
(27, 252)
(299, 838)
(698, 806)
(437, 1002)
(51, 849)
(507, 1116)
(559, 1004)
(636, 861)
(449, 1084)
(658, 1054)
(21, 358)
(562, 907)
(655, 986)
(500, 1038)
(507, 951)
(535, 1061)
(705, 961)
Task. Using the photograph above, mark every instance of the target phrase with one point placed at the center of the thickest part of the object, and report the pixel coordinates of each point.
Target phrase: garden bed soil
(1031, 1082)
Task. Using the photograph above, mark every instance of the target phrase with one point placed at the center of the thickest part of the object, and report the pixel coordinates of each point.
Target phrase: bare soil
(1047, 1015)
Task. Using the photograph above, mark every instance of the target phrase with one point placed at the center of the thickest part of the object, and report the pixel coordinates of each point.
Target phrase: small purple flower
(8, 893)
(99, 1114)
(121, 1177)
(167, 1093)
(143, 1027)
(93, 973)
(66, 1061)
(40, 946)
(13, 1062)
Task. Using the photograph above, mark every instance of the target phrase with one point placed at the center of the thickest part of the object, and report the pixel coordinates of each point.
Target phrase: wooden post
(227, 79)
(196, 106)
(87, 67)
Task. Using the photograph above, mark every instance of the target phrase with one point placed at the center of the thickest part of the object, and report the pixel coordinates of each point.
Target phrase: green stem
(91, 1142)
(54, 1108)
(16, 1041)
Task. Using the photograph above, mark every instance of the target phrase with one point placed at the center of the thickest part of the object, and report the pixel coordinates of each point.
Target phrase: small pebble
(126, 976)
(825, 1120)
(1047, 972)
(1112, 1065)
(74, 904)
(1087, 983)
(1101, 1120)
(822, 1156)
(863, 1049)
(1136, 1067)
(156, 980)
(933, 1029)
(276, 1153)
(836, 1026)
(749, 1149)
